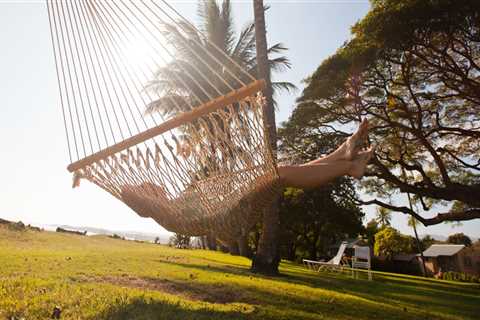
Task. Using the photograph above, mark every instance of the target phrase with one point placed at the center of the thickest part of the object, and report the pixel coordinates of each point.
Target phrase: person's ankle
(351, 168)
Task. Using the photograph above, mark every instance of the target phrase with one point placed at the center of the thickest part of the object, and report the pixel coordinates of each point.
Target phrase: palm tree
(179, 83)
(412, 222)
(266, 259)
(384, 216)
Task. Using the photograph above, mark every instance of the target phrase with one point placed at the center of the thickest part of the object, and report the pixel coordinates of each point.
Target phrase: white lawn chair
(362, 260)
(334, 264)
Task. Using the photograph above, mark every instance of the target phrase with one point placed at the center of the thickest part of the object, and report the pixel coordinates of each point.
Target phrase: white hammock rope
(208, 169)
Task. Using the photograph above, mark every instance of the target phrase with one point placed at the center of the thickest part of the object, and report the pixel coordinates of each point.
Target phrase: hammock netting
(206, 168)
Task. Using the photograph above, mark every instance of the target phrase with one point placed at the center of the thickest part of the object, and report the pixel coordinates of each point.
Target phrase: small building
(405, 258)
(406, 263)
(471, 259)
(452, 257)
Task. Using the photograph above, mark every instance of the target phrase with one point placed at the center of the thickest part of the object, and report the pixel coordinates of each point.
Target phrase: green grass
(104, 278)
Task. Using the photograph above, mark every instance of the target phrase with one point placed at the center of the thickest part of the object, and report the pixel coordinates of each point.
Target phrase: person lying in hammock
(349, 159)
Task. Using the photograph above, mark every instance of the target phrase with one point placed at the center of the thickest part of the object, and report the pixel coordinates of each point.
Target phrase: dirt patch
(189, 290)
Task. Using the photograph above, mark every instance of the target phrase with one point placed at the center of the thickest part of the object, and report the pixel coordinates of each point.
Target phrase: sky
(35, 186)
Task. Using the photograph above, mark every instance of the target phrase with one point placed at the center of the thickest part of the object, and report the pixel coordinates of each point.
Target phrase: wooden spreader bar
(181, 119)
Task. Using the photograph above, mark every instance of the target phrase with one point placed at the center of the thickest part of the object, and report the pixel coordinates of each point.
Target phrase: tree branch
(468, 214)
(470, 166)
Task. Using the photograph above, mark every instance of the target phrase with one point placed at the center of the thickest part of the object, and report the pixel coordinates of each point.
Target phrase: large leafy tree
(311, 220)
(389, 242)
(413, 68)
(193, 74)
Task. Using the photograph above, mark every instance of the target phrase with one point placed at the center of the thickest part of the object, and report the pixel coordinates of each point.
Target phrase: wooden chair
(362, 260)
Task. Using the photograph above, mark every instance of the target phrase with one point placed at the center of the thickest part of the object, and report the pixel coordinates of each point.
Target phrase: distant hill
(3, 221)
(129, 235)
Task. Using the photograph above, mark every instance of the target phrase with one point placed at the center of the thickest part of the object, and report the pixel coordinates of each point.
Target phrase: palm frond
(284, 86)
(228, 29)
(279, 64)
(169, 105)
(198, 72)
(277, 48)
(244, 50)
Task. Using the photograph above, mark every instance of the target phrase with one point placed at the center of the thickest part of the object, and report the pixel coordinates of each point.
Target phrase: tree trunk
(203, 242)
(312, 252)
(233, 248)
(266, 259)
(243, 247)
(312, 247)
(211, 242)
(256, 238)
(292, 252)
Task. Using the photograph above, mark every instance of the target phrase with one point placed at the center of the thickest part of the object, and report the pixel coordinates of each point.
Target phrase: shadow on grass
(246, 302)
(410, 292)
(149, 309)
(210, 263)
(225, 268)
(188, 289)
(417, 295)
(293, 302)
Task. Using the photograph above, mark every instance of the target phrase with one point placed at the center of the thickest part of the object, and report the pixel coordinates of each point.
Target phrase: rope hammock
(209, 168)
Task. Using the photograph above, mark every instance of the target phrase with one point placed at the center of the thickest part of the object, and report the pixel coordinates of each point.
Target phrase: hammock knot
(77, 176)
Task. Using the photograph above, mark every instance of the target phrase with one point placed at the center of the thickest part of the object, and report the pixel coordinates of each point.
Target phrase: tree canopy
(459, 238)
(389, 242)
(383, 216)
(413, 68)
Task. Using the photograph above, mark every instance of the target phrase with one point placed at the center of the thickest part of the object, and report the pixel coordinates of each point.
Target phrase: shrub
(410, 268)
(179, 241)
(460, 276)
(17, 226)
(116, 236)
(80, 233)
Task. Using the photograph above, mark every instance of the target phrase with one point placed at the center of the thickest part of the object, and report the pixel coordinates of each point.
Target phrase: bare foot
(355, 142)
(349, 149)
(359, 164)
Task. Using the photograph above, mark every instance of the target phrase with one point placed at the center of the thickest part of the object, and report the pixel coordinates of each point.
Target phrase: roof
(436, 250)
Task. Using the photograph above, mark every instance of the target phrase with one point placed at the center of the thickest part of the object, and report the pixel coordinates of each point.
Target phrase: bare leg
(347, 150)
(315, 175)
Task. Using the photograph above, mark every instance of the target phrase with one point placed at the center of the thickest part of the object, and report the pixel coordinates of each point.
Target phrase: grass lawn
(103, 278)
